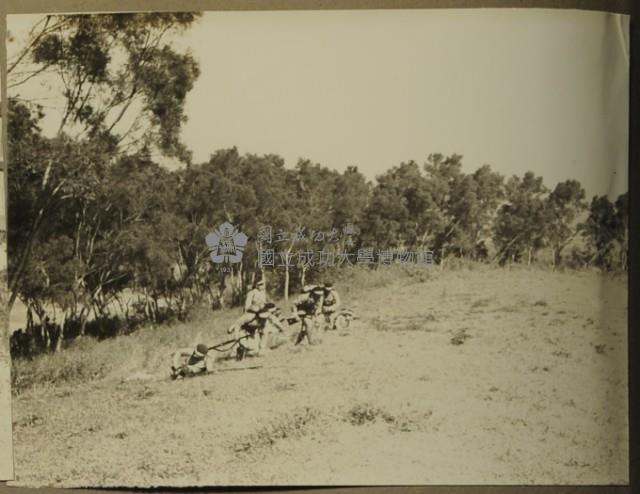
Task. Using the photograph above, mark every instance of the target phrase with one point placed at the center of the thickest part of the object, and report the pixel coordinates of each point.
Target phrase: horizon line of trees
(127, 227)
(99, 231)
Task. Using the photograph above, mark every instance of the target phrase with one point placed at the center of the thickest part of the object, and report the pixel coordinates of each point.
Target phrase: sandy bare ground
(476, 377)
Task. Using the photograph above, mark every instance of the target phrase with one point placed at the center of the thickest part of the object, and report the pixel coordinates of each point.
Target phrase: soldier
(272, 327)
(257, 297)
(306, 307)
(250, 327)
(330, 304)
(188, 362)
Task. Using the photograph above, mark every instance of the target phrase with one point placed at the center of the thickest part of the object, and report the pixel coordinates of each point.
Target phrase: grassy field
(480, 375)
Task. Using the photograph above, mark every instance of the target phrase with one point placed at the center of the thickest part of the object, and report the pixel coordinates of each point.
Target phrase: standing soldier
(256, 298)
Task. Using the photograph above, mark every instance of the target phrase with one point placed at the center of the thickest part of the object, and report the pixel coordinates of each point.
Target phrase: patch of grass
(293, 425)
(29, 420)
(362, 414)
(147, 350)
(407, 323)
(413, 325)
(410, 423)
(379, 324)
(366, 413)
(508, 308)
(460, 337)
(483, 302)
(544, 369)
(145, 393)
(62, 367)
(352, 278)
(282, 386)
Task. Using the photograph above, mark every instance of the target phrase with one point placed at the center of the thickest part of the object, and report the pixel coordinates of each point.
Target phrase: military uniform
(189, 362)
(255, 329)
(330, 306)
(256, 300)
(307, 305)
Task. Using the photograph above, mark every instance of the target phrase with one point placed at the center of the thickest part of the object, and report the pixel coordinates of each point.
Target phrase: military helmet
(202, 349)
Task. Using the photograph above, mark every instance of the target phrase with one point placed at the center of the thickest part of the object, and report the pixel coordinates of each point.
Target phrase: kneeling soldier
(249, 329)
(306, 307)
(330, 304)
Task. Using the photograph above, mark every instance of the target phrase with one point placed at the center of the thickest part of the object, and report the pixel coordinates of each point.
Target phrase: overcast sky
(521, 90)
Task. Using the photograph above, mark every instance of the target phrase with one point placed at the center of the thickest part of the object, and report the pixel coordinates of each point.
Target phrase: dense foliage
(98, 231)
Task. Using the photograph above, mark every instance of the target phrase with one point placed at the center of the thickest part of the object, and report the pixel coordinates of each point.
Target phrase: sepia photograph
(373, 247)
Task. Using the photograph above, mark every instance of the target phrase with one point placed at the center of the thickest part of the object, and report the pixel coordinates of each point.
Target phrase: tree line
(103, 235)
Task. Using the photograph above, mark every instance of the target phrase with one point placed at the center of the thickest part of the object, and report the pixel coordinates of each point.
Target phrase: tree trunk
(303, 275)
(238, 285)
(61, 334)
(286, 280)
(29, 318)
(529, 257)
(119, 302)
(221, 287)
(83, 321)
(156, 310)
(286, 271)
(45, 336)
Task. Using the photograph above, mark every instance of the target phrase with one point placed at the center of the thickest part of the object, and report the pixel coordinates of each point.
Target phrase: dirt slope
(478, 377)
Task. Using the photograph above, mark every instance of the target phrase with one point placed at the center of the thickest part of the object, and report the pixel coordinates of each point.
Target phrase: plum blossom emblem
(226, 244)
